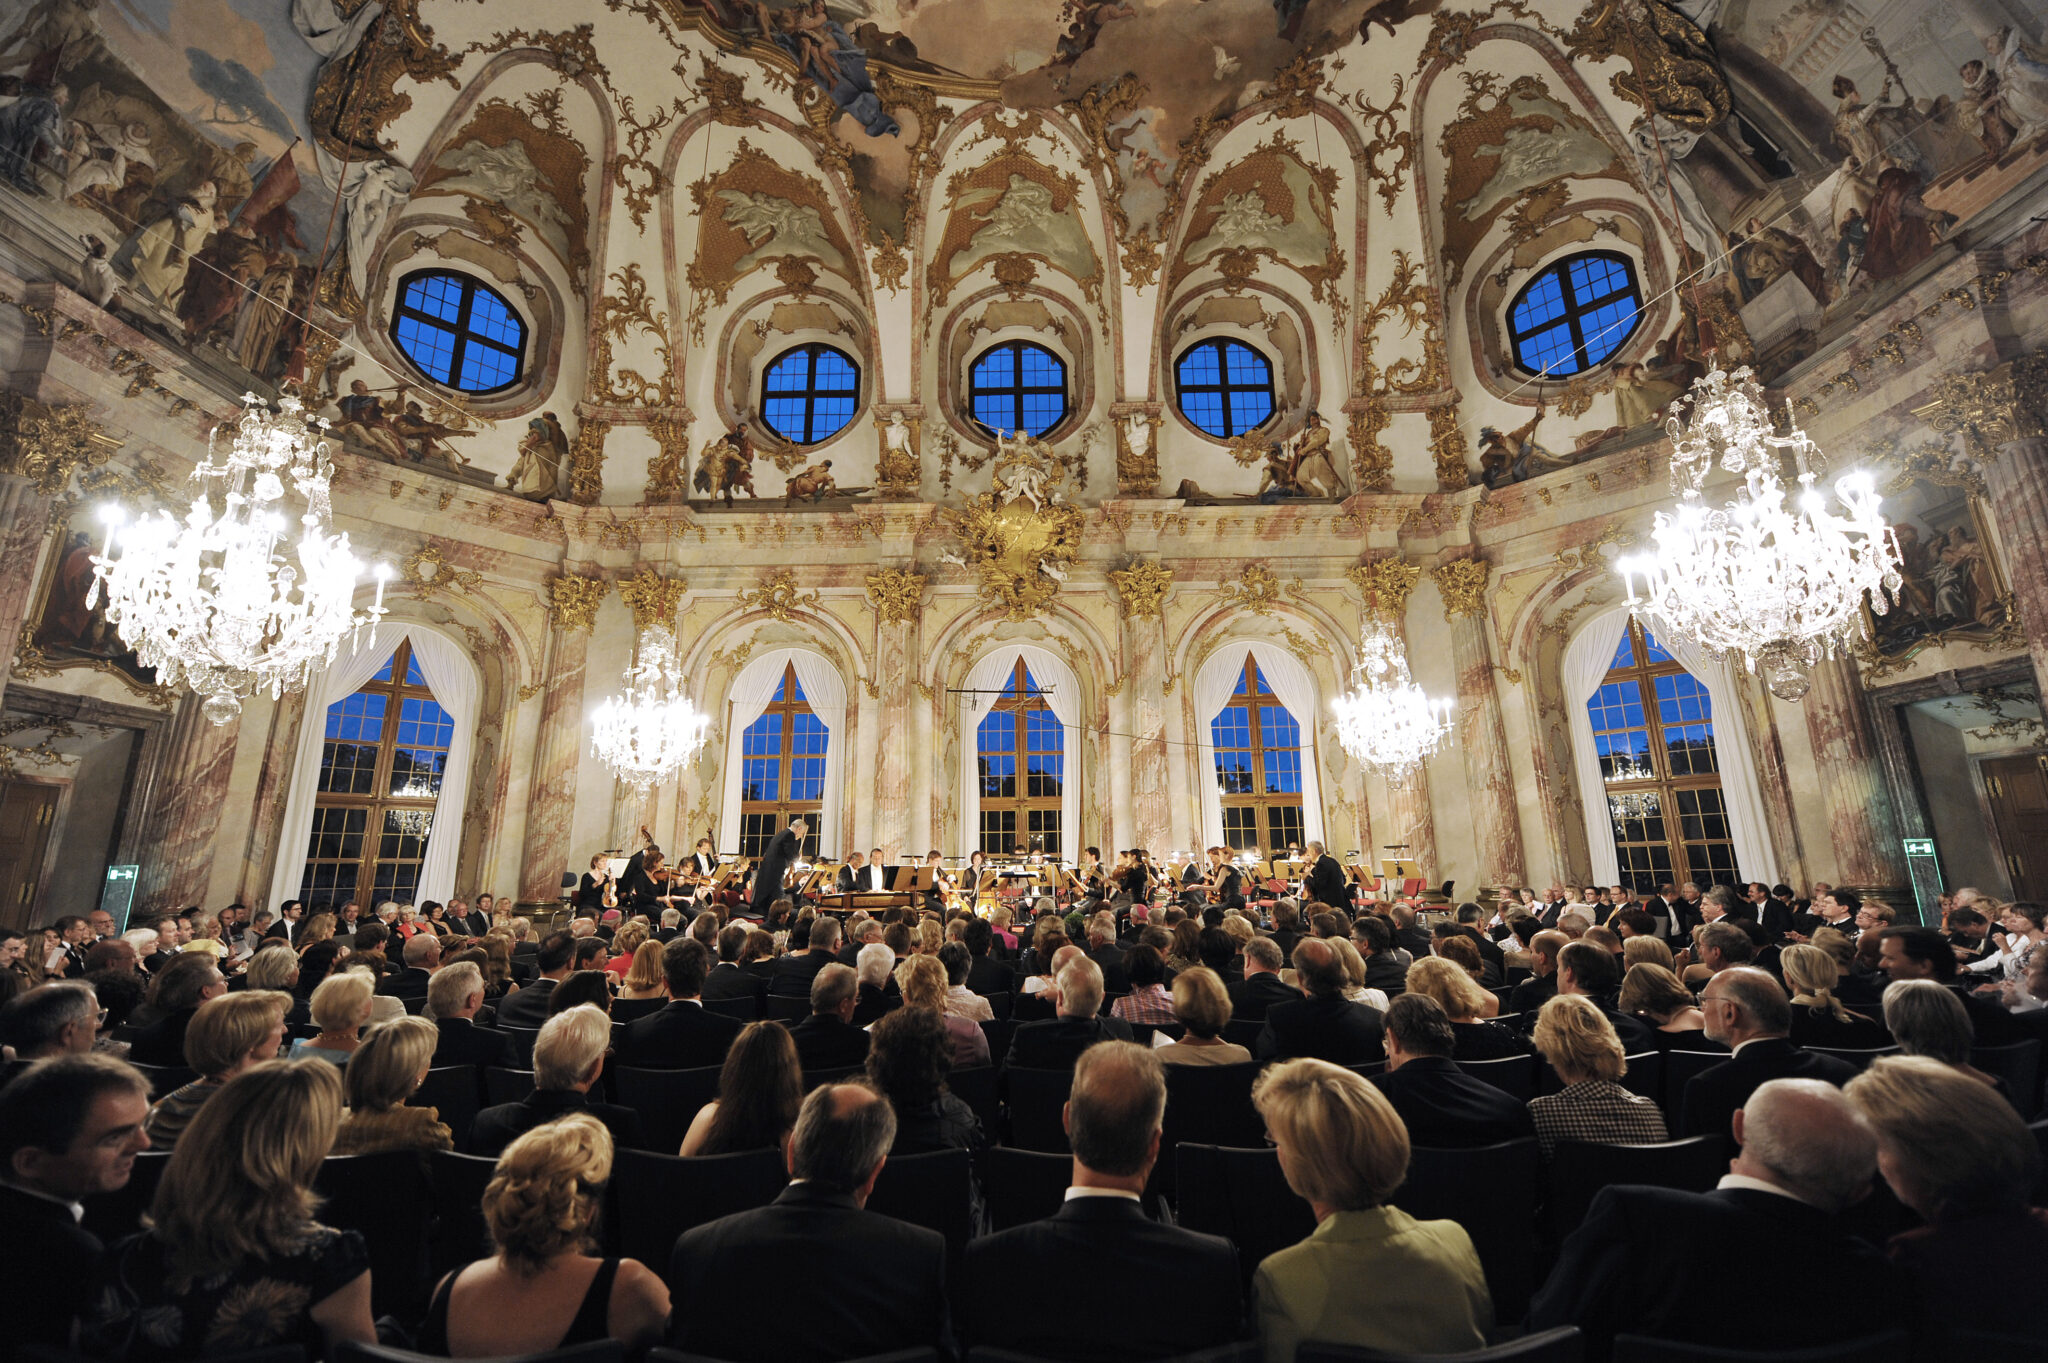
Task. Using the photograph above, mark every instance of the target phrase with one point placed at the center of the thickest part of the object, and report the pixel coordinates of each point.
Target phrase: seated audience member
(341, 1009)
(1055, 1043)
(1463, 953)
(684, 1035)
(541, 1290)
(276, 966)
(1202, 1007)
(1532, 993)
(228, 1035)
(69, 1130)
(922, 981)
(175, 993)
(1355, 989)
(794, 971)
(1148, 1000)
(1129, 1287)
(568, 1057)
(1459, 995)
(1261, 986)
(961, 1000)
(1579, 1042)
(827, 1039)
(759, 1090)
(1929, 1020)
(1386, 965)
(1657, 1261)
(422, 956)
(1653, 994)
(880, 1282)
(1646, 951)
(1591, 971)
(985, 973)
(1369, 1275)
(873, 967)
(580, 987)
(1818, 1017)
(528, 1007)
(1322, 1025)
(1923, 954)
(381, 1075)
(1747, 1012)
(233, 1258)
(56, 1019)
(1442, 1106)
(907, 1063)
(453, 1001)
(728, 978)
(1959, 1156)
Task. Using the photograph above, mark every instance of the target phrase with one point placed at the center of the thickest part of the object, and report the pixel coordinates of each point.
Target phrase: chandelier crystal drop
(651, 730)
(1780, 583)
(226, 601)
(1385, 720)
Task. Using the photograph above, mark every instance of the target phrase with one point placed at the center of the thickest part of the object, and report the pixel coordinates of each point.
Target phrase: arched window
(1258, 765)
(782, 769)
(460, 332)
(810, 393)
(381, 768)
(1018, 387)
(1021, 750)
(1575, 313)
(1653, 728)
(1225, 387)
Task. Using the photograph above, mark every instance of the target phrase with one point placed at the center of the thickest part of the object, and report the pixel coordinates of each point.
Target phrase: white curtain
(1586, 661)
(1294, 686)
(988, 677)
(442, 663)
(751, 692)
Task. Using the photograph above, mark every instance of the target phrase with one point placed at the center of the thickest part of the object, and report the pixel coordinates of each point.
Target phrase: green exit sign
(1919, 847)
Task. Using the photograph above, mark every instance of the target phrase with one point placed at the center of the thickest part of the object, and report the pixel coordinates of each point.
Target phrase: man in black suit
(870, 878)
(286, 925)
(775, 863)
(1103, 950)
(1261, 986)
(422, 958)
(985, 974)
(794, 972)
(1443, 1107)
(1409, 935)
(1774, 917)
(470, 922)
(1326, 882)
(871, 1284)
(727, 980)
(827, 1039)
(1056, 1043)
(1531, 994)
(1918, 953)
(568, 1057)
(453, 1000)
(1591, 970)
(1172, 1291)
(70, 1129)
(684, 1035)
(1322, 1025)
(1747, 1011)
(1658, 1262)
(1386, 965)
(528, 1006)
(858, 931)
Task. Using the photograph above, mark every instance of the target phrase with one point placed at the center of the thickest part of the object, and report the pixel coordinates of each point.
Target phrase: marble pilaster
(199, 767)
(1482, 731)
(551, 799)
(24, 517)
(1863, 834)
(893, 654)
(1145, 684)
(2017, 481)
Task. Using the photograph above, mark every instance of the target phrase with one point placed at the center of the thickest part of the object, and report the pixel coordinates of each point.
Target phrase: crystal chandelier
(647, 733)
(223, 600)
(1385, 720)
(1782, 586)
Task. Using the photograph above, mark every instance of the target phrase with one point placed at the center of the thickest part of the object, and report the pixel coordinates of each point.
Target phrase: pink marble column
(1151, 804)
(2018, 483)
(266, 830)
(177, 868)
(558, 750)
(893, 656)
(1863, 834)
(1483, 743)
(24, 517)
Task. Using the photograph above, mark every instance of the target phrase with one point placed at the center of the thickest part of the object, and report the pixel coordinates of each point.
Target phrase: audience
(1201, 1005)
(1579, 1042)
(568, 1057)
(174, 996)
(382, 1074)
(228, 1035)
(542, 1290)
(760, 1088)
(1261, 986)
(1747, 1012)
(1653, 993)
(1370, 1275)
(341, 1009)
(1818, 1017)
(922, 980)
(684, 1035)
(57, 1019)
(453, 1001)
(1456, 991)
(1929, 1020)
(1055, 1043)
(528, 1006)
(1323, 1024)
(907, 1064)
(1128, 1287)
(1441, 1106)
(827, 1039)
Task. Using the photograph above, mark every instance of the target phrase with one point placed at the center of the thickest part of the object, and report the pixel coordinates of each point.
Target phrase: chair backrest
(1491, 1191)
(1680, 1069)
(655, 1198)
(1565, 1344)
(976, 1087)
(1894, 1346)
(931, 1190)
(1036, 1100)
(522, 1043)
(1580, 1169)
(598, 1351)
(166, 1078)
(819, 1078)
(1022, 1185)
(456, 1092)
(899, 1356)
(113, 1215)
(746, 1008)
(1242, 1351)
(385, 1197)
(1644, 1075)
(507, 1086)
(1514, 1075)
(789, 1007)
(999, 1030)
(1244, 1031)
(1243, 1196)
(459, 1233)
(1859, 1058)
(1211, 1105)
(2019, 1065)
(999, 1003)
(667, 1100)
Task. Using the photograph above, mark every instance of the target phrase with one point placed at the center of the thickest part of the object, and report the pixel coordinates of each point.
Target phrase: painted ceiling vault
(669, 196)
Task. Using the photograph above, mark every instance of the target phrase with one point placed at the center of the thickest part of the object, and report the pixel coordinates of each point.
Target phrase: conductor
(774, 866)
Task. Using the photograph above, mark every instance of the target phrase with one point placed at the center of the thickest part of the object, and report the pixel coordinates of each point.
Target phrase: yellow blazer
(1379, 1278)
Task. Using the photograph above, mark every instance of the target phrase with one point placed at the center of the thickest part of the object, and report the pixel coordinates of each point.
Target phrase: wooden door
(2018, 791)
(26, 813)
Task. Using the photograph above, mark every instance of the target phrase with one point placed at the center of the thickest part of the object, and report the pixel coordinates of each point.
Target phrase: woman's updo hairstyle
(543, 1198)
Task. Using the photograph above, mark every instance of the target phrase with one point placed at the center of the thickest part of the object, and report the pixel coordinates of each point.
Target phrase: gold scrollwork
(47, 443)
(427, 572)
(1448, 448)
(1587, 555)
(779, 597)
(586, 459)
(654, 599)
(573, 601)
(1142, 588)
(1257, 590)
(895, 594)
(1385, 584)
(670, 428)
(1992, 407)
(1463, 585)
(1019, 537)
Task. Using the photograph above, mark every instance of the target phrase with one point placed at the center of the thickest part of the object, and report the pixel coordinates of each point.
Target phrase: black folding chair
(1022, 1185)
(166, 1078)
(1644, 1075)
(1242, 1196)
(667, 1100)
(1563, 1345)
(1244, 1032)
(459, 1235)
(746, 1008)
(386, 1198)
(1680, 1069)
(976, 1087)
(2019, 1066)
(522, 1044)
(506, 1086)
(1580, 1169)
(788, 1007)
(1490, 1190)
(999, 1030)
(456, 1093)
(1894, 1346)
(1514, 1075)
(930, 1190)
(999, 1003)
(599, 1351)
(655, 1198)
(819, 1078)
(1859, 1058)
(1037, 1098)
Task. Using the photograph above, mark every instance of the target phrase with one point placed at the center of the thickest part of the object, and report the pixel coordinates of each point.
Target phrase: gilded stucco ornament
(1463, 585)
(653, 598)
(1142, 588)
(1992, 407)
(48, 442)
(779, 597)
(1020, 537)
(573, 601)
(427, 571)
(895, 593)
(1385, 584)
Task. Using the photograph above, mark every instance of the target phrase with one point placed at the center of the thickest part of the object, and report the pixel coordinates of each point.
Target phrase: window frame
(1018, 390)
(1573, 311)
(810, 392)
(1223, 387)
(1259, 800)
(471, 286)
(1022, 697)
(780, 810)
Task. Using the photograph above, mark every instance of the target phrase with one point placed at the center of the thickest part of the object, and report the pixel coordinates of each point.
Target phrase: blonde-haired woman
(391, 1063)
(228, 1035)
(1370, 1274)
(1637, 951)
(1654, 994)
(643, 989)
(233, 1259)
(1818, 1017)
(542, 1290)
(922, 979)
(341, 1008)
(1202, 1007)
(1580, 1044)
(1357, 991)
(1452, 986)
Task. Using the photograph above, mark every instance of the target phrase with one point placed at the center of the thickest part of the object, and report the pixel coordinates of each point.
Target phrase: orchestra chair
(456, 1093)
(932, 1190)
(459, 1235)
(597, 1351)
(1565, 1344)
(1580, 1169)
(667, 1100)
(1893, 1346)
(1038, 1099)
(1241, 1195)
(655, 1198)
(385, 1197)
(1491, 1191)
(1022, 1185)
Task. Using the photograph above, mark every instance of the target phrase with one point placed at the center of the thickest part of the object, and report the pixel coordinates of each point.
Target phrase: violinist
(645, 881)
(1136, 880)
(1094, 880)
(977, 867)
(935, 897)
(1225, 882)
(696, 873)
(598, 891)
